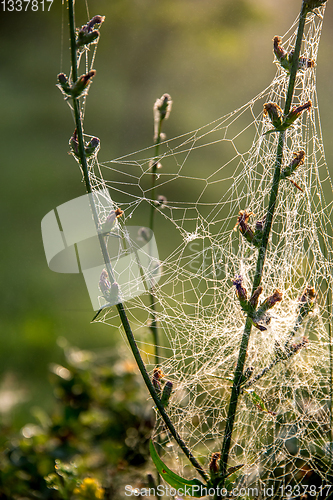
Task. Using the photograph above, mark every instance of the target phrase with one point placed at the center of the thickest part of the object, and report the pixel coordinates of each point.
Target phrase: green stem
(120, 307)
(329, 311)
(153, 326)
(235, 392)
(153, 394)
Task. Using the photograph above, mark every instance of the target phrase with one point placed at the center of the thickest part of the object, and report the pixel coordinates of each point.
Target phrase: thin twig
(261, 255)
(120, 307)
(153, 326)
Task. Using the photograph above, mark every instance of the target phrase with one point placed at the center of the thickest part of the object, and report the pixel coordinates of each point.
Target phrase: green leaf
(256, 399)
(186, 487)
(232, 470)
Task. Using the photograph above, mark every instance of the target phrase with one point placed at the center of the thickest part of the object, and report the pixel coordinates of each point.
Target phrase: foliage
(97, 434)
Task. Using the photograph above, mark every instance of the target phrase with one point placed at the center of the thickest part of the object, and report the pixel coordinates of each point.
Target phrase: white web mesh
(199, 317)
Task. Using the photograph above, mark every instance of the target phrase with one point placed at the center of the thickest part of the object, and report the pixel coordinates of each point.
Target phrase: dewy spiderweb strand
(283, 432)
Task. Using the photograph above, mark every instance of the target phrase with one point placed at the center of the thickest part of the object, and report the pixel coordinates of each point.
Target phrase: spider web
(284, 437)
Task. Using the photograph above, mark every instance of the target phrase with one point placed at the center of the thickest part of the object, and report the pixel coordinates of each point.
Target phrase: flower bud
(161, 201)
(167, 390)
(259, 229)
(110, 291)
(92, 147)
(64, 83)
(95, 20)
(104, 284)
(242, 222)
(73, 142)
(286, 59)
(241, 292)
(307, 301)
(162, 110)
(82, 83)
(214, 463)
(86, 38)
(255, 297)
(109, 223)
(294, 164)
(157, 376)
(303, 62)
(264, 307)
(280, 53)
(162, 107)
(295, 113)
(248, 372)
(275, 114)
(86, 34)
(273, 299)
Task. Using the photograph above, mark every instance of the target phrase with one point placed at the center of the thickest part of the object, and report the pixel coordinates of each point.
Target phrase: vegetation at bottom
(94, 442)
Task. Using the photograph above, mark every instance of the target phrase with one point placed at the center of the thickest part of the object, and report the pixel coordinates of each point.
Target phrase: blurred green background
(210, 55)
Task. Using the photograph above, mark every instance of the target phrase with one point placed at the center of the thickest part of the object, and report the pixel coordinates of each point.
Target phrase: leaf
(256, 399)
(186, 487)
(231, 470)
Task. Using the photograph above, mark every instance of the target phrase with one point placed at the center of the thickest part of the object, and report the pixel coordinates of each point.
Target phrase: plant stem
(261, 255)
(153, 394)
(275, 361)
(120, 307)
(329, 313)
(153, 326)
